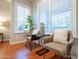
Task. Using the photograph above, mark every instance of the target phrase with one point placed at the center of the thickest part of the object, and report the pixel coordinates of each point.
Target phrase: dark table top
(37, 37)
(42, 35)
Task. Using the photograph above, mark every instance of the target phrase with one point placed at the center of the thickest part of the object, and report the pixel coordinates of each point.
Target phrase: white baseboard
(5, 40)
(17, 42)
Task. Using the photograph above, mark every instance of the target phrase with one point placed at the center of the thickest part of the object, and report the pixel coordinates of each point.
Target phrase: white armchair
(61, 42)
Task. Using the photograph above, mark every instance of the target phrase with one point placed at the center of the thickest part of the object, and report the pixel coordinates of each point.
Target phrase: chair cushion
(60, 36)
(55, 47)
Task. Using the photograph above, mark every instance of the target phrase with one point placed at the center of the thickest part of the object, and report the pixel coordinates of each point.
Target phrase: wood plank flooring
(20, 51)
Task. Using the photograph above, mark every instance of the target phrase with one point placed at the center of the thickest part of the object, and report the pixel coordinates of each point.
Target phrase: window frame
(16, 15)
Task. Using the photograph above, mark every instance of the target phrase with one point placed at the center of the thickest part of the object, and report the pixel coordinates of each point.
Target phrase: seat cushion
(61, 36)
(55, 47)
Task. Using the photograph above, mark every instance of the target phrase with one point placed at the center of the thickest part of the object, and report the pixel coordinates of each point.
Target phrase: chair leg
(27, 42)
(55, 55)
(44, 56)
(31, 45)
(69, 57)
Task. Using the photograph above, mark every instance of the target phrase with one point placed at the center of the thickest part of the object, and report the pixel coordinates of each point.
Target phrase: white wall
(4, 8)
(74, 50)
(74, 18)
(16, 37)
(5, 15)
(35, 12)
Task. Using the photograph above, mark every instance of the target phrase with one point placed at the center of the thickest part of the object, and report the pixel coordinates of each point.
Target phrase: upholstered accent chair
(60, 42)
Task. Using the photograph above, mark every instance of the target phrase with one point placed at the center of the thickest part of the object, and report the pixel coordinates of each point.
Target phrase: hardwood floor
(20, 51)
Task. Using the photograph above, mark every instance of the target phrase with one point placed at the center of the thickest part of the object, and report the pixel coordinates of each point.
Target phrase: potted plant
(29, 23)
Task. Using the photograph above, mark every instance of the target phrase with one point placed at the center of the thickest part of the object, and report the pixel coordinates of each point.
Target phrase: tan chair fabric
(58, 47)
(60, 36)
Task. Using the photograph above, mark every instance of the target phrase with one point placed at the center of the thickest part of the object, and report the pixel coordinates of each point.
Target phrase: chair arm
(47, 39)
(69, 46)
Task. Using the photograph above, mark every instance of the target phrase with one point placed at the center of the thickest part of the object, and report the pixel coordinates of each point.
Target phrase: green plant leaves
(29, 23)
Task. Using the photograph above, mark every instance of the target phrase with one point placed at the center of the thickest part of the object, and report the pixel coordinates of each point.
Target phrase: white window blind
(61, 14)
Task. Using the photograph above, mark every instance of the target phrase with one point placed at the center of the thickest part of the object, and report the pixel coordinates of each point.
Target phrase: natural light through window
(43, 10)
(22, 15)
(61, 14)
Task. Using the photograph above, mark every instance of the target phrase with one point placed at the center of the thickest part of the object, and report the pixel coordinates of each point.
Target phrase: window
(61, 14)
(44, 12)
(22, 14)
(54, 14)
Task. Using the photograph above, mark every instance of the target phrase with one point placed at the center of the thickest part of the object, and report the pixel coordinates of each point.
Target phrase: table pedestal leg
(44, 56)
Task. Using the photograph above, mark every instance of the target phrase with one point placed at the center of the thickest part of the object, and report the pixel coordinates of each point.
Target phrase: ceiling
(8, 0)
(33, 0)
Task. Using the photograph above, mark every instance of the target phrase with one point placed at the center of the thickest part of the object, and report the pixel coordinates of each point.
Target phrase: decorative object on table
(42, 29)
(29, 23)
